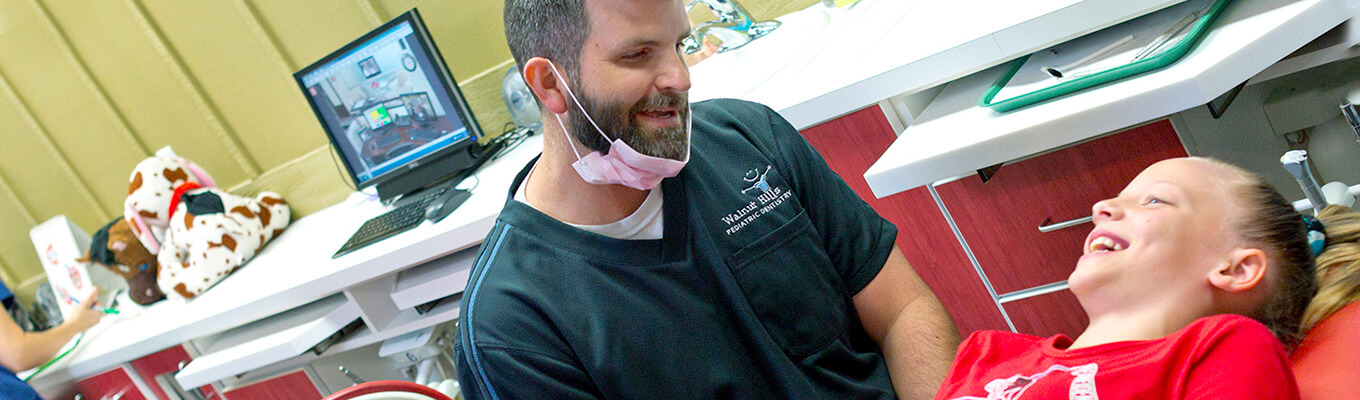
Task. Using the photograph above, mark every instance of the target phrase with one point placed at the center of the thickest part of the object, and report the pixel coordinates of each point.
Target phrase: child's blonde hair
(1338, 267)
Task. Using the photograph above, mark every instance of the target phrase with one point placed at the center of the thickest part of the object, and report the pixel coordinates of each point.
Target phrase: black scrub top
(747, 295)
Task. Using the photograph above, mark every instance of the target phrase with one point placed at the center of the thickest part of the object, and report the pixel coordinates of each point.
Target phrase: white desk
(953, 136)
(877, 49)
(833, 62)
(296, 269)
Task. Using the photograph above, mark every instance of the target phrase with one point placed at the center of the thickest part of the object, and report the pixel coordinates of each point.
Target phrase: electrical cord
(343, 176)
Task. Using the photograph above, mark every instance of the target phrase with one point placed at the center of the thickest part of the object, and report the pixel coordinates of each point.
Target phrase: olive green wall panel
(307, 30)
(18, 260)
(244, 75)
(147, 86)
(61, 96)
(468, 32)
(43, 181)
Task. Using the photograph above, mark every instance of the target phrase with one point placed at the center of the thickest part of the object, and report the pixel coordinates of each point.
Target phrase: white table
(929, 56)
(877, 49)
(297, 269)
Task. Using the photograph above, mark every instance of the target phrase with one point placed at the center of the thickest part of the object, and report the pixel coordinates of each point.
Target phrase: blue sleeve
(856, 238)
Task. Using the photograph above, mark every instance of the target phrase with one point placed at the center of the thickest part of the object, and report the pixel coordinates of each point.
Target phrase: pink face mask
(623, 165)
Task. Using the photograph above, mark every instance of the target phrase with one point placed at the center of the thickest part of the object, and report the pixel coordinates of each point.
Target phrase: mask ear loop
(564, 133)
(578, 104)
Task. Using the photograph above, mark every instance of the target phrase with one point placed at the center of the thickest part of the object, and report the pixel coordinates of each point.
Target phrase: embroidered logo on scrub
(1083, 386)
(766, 199)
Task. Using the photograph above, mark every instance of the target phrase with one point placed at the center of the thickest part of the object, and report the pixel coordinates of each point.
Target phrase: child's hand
(85, 315)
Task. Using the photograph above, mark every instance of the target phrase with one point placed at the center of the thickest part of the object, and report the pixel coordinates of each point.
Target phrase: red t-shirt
(1327, 362)
(1217, 357)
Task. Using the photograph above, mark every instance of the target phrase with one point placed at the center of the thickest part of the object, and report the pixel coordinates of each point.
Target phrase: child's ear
(1244, 270)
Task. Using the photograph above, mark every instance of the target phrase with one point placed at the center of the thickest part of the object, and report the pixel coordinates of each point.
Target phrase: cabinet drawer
(158, 370)
(999, 219)
(850, 144)
(118, 382)
(291, 386)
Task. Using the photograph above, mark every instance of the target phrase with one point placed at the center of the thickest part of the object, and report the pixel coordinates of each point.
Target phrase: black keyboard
(390, 223)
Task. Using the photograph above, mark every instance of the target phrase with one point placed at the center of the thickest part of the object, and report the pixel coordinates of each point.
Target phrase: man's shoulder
(726, 122)
(722, 111)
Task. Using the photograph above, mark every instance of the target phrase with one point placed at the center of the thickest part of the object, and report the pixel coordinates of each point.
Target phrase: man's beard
(617, 122)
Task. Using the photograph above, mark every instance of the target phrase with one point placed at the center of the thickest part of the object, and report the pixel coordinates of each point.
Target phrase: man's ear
(539, 76)
(1244, 270)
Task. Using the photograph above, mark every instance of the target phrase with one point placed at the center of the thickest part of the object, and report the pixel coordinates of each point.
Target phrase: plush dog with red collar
(151, 186)
(199, 233)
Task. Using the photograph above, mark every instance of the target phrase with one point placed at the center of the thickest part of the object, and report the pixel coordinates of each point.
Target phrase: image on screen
(378, 117)
(382, 111)
(369, 66)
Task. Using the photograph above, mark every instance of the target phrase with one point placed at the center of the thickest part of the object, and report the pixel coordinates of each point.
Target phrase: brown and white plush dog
(115, 247)
(151, 186)
(212, 233)
(200, 234)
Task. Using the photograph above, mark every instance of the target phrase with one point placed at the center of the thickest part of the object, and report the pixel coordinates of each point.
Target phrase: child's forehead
(1188, 173)
(1196, 181)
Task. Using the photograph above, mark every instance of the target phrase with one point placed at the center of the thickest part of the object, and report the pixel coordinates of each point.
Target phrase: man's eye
(635, 55)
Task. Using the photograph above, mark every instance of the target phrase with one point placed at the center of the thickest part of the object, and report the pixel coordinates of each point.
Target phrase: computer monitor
(374, 81)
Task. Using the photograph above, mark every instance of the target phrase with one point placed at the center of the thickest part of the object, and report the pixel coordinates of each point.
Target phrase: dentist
(658, 249)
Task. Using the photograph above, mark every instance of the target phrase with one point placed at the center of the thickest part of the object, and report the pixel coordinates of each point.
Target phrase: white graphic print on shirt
(1083, 384)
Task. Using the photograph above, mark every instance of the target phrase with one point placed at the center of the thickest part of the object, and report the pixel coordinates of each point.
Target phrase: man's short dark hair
(553, 29)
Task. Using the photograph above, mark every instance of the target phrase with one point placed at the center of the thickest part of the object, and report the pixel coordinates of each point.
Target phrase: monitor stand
(418, 176)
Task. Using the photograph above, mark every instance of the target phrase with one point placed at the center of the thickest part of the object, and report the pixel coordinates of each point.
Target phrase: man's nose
(675, 75)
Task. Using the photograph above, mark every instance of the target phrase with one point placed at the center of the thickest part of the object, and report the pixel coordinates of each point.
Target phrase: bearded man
(662, 250)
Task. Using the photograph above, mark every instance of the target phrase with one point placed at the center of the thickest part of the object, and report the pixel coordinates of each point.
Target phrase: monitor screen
(388, 103)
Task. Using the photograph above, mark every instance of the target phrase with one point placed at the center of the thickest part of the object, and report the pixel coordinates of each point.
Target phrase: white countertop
(295, 269)
(826, 63)
(953, 136)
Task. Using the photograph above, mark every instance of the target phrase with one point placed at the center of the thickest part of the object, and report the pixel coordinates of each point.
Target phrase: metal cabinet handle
(116, 396)
(1068, 224)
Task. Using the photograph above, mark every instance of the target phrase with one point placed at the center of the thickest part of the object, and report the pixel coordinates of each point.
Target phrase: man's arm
(903, 316)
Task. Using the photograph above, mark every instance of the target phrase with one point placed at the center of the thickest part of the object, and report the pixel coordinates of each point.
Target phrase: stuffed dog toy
(212, 233)
(115, 247)
(151, 186)
(199, 233)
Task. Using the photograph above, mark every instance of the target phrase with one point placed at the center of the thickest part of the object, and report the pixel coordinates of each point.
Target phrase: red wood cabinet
(999, 219)
(118, 382)
(295, 385)
(164, 362)
(852, 143)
